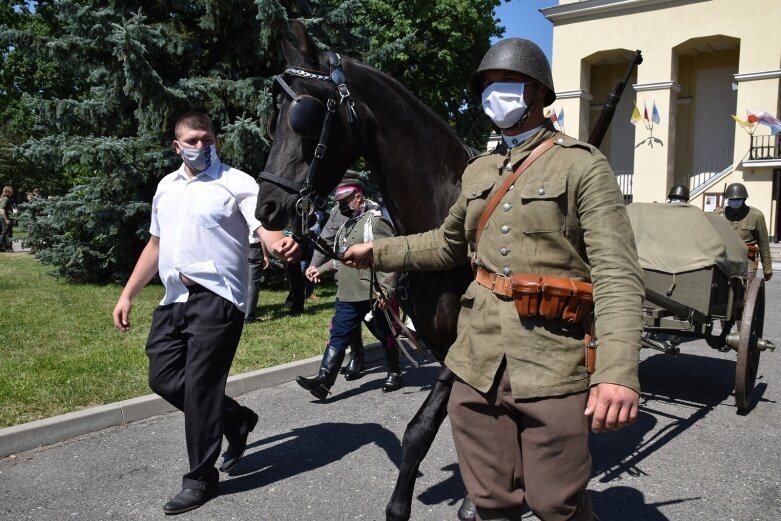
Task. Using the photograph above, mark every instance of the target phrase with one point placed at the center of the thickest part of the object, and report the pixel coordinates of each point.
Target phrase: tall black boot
(354, 368)
(393, 379)
(329, 368)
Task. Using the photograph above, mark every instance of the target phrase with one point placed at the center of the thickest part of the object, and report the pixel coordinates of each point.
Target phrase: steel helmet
(736, 191)
(519, 55)
(679, 191)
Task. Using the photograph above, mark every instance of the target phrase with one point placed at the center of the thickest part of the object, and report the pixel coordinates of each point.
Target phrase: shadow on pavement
(698, 383)
(301, 450)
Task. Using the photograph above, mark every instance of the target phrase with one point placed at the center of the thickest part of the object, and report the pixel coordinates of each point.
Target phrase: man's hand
(611, 406)
(122, 314)
(312, 274)
(286, 249)
(359, 256)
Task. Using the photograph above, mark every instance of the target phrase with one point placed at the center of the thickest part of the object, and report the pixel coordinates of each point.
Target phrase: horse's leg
(417, 441)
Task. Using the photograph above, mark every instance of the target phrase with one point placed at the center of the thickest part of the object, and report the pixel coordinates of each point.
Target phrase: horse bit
(304, 113)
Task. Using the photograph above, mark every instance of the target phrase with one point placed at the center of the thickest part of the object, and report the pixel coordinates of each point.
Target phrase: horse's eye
(306, 116)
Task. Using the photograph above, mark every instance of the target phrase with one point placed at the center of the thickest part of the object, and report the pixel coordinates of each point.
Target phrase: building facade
(703, 62)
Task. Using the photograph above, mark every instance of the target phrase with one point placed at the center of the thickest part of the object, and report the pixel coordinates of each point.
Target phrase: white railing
(624, 180)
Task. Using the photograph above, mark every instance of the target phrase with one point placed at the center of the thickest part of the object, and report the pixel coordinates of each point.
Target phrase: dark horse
(332, 111)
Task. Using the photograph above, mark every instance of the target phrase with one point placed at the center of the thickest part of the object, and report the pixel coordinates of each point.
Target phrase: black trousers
(190, 348)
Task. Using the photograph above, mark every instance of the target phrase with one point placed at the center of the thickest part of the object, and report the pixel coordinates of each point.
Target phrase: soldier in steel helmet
(750, 225)
(678, 194)
(525, 396)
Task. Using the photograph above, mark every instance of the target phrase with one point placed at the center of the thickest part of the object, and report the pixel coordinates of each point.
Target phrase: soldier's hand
(312, 274)
(359, 256)
(286, 249)
(611, 407)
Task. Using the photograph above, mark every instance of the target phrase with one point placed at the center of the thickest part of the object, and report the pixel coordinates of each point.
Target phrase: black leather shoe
(188, 499)
(392, 383)
(237, 446)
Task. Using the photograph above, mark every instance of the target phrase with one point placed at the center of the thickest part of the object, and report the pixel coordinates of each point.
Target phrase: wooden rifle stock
(600, 129)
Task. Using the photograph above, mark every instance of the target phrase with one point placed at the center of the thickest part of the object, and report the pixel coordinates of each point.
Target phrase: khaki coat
(355, 285)
(752, 228)
(565, 217)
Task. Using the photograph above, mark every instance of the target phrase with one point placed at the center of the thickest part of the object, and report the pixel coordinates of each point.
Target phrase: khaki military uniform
(516, 409)
(750, 225)
(355, 285)
(564, 217)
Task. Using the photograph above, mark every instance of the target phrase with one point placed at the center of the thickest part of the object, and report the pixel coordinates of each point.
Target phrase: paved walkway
(688, 457)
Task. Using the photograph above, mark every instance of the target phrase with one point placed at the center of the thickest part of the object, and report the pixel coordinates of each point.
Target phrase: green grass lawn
(60, 351)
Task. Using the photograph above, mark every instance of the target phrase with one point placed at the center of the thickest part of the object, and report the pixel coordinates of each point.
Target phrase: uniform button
(506, 207)
(474, 193)
(508, 167)
(560, 140)
(507, 271)
(505, 229)
(511, 187)
(541, 191)
(504, 251)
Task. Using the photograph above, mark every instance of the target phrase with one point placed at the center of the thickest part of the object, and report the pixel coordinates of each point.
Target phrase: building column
(654, 166)
(576, 117)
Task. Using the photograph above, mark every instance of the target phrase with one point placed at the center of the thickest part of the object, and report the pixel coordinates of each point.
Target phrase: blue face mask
(735, 203)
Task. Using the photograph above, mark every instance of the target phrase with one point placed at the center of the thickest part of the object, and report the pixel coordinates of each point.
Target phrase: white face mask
(735, 203)
(503, 103)
(199, 159)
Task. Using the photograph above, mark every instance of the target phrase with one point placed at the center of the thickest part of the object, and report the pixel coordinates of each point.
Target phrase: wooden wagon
(694, 266)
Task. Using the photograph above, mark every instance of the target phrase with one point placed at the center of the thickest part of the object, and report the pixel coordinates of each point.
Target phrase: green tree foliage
(100, 83)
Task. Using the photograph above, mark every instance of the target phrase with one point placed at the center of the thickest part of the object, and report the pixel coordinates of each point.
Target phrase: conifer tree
(132, 67)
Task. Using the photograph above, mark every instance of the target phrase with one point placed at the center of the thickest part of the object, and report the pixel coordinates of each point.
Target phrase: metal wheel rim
(751, 330)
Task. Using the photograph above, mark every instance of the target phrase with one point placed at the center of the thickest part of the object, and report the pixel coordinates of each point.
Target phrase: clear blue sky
(522, 19)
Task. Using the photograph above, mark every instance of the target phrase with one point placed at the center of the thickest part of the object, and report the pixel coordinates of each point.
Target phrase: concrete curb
(48, 431)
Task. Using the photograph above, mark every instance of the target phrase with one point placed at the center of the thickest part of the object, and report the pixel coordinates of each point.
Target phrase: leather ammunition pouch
(753, 250)
(553, 298)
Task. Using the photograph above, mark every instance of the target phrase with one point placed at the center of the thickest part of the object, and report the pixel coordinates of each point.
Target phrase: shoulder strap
(494, 201)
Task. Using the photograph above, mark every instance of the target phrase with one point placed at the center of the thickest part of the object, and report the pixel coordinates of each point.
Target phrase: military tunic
(563, 217)
(355, 285)
(750, 225)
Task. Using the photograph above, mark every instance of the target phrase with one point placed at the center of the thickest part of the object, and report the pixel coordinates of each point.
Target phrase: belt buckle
(507, 285)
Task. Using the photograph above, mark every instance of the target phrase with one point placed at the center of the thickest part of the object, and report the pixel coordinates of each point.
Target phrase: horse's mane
(407, 95)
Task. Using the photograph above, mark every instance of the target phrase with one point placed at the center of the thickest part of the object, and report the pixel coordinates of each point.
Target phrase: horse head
(314, 131)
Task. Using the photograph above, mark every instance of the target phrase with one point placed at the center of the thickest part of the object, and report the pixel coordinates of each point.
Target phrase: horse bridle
(310, 199)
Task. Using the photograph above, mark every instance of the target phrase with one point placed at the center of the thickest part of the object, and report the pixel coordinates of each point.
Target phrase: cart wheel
(751, 329)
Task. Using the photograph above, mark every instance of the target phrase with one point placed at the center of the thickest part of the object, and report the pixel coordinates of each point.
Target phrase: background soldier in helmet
(750, 225)
(678, 194)
(523, 401)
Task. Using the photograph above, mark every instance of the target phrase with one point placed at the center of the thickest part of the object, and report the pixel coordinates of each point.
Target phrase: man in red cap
(364, 221)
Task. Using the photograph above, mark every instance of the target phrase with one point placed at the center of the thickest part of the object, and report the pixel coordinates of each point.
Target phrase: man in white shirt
(201, 215)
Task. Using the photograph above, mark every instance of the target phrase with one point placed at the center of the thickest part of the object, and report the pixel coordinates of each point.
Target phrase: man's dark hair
(195, 121)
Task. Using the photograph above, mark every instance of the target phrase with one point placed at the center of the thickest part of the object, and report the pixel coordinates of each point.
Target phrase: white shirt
(202, 224)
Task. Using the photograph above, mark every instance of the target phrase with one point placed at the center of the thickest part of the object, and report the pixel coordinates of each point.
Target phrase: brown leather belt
(549, 297)
(541, 295)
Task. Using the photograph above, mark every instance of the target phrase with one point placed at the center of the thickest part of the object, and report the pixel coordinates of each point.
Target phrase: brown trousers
(513, 452)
